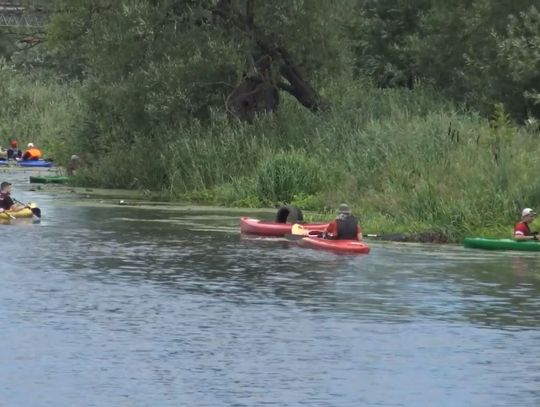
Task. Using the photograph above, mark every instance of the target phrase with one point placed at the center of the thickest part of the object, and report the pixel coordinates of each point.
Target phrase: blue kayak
(35, 163)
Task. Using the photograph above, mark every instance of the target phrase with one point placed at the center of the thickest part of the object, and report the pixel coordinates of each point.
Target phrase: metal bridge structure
(23, 13)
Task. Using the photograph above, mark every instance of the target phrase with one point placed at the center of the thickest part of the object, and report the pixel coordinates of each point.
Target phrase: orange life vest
(33, 153)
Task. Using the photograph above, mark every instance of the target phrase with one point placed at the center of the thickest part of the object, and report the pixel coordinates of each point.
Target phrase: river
(103, 304)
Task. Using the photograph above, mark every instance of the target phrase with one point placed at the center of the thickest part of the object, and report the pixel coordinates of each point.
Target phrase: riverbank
(406, 161)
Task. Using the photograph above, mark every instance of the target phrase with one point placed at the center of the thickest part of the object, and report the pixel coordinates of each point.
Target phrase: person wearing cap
(13, 151)
(345, 226)
(522, 230)
(73, 165)
(32, 153)
(6, 202)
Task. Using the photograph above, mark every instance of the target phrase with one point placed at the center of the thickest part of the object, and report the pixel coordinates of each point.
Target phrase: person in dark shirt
(14, 152)
(345, 226)
(6, 202)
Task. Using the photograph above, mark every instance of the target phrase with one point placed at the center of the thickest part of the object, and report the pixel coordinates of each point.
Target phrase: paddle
(298, 229)
(8, 214)
(298, 232)
(32, 206)
(399, 237)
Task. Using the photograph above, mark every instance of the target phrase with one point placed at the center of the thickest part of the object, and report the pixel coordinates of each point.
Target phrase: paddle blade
(298, 230)
(37, 212)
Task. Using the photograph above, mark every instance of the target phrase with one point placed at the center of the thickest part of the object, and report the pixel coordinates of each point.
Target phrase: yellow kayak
(23, 213)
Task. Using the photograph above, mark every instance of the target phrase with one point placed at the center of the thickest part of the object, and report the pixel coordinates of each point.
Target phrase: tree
(177, 59)
(468, 49)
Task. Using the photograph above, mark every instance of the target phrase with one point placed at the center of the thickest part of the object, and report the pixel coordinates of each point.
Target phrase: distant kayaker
(32, 153)
(345, 226)
(522, 230)
(6, 202)
(73, 165)
(14, 151)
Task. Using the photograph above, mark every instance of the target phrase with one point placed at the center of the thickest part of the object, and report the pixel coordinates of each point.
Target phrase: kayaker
(32, 153)
(73, 165)
(522, 230)
(345, 226)
(289, 214)
(13, 151)
(6, 202)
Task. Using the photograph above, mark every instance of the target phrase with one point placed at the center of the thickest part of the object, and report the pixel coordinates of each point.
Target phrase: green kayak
(501, 244)
(48, 179)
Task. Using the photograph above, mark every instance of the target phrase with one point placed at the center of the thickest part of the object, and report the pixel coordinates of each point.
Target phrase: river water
(104, 304)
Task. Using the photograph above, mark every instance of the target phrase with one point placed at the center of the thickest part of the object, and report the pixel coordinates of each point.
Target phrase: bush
(282, 177)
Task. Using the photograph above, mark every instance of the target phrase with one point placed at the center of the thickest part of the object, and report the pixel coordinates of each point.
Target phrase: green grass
(407, 161)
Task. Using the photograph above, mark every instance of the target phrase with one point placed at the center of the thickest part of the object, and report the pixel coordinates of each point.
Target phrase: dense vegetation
(422, 114)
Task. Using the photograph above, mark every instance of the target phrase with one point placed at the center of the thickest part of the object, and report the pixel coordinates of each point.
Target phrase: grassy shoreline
(406, 161)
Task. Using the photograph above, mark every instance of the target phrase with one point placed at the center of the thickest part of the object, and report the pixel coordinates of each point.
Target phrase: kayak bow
(501, 244)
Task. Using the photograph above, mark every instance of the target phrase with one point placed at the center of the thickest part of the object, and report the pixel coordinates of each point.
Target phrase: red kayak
(339, 246)
(251, 226)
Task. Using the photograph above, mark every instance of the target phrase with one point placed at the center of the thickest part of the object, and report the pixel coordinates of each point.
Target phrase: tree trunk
(252, 97)
(259, 93)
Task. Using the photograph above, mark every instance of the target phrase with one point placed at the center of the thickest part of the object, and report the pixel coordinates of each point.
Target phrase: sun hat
(30, 145)
(527, 212)
(344, 208)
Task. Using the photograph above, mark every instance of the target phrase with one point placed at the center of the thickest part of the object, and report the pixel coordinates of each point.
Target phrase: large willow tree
(147, 63)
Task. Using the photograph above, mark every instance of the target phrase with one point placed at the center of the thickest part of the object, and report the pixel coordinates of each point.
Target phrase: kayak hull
(338, 246)
(24, 213)
(35, 163)
(48, 179)
(252, 226)
(501, 244)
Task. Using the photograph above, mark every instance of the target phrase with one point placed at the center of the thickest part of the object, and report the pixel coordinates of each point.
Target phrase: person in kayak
(289, 214)
(13, 151)
(345, 226)
(32, 153)
(6, 202)
(522, 230)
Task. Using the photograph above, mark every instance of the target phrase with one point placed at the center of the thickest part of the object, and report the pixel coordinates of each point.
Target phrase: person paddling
(32, 153)
(345, 226)
(522, 230)
(6, 202)
(14, 152)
